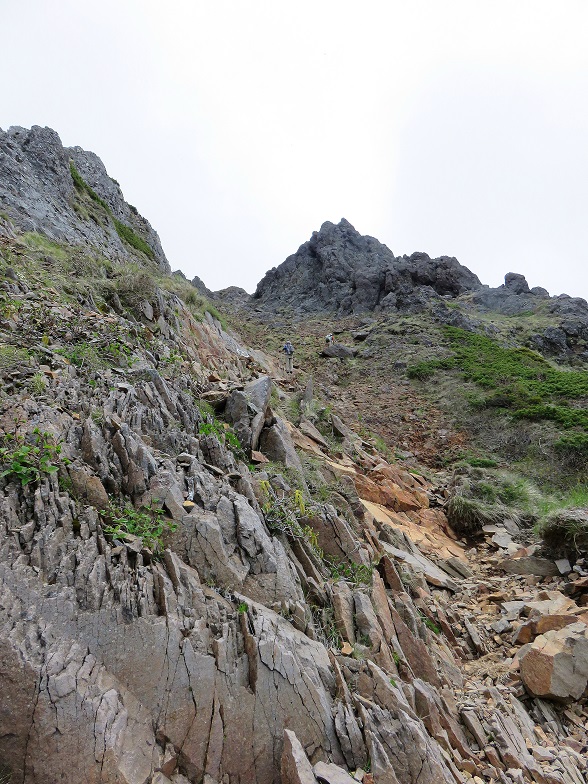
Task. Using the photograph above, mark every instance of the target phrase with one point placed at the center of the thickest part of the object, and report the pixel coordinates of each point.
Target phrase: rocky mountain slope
(428, 357)
(41, 191)
(209, 572)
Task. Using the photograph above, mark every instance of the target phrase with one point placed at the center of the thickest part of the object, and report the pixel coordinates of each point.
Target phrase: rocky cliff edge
(39, 192)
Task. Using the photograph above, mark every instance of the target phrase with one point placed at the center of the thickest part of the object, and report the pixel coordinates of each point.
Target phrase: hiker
(329, 339)
(289, 352)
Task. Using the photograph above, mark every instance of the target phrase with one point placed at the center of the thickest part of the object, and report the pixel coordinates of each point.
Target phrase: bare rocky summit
(339, 270)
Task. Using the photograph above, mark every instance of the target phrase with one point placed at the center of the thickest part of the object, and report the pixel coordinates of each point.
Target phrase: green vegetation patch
(125, 232)
(197, 303)
(224, 433)
(83, 186)
(489, 497)
(12, 356)
(467, 516)
(128, 235)
(41, 243)
(516, 379)
(566, 531)
(93, 357)
(573, 448)
(147, 523)
(29, 462)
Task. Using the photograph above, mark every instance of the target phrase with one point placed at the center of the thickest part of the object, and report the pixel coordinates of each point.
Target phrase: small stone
(542, 754)
(502, 539)
(563, 565)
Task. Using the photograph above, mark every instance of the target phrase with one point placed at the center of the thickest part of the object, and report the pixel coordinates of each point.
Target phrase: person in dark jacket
(289, 353)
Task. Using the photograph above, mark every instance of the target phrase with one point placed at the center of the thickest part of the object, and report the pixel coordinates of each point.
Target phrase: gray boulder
(339, 351)
(516, 283)
(276, 443)
(246, 410)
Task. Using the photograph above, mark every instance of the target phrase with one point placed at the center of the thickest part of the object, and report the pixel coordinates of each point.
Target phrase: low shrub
(148, 523)
(28, 462)
(573, 449)
(482, 462)
(38, 384)
(423, 371)
(133, 286)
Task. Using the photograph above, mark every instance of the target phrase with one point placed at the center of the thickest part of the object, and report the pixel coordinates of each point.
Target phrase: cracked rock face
(234, 656)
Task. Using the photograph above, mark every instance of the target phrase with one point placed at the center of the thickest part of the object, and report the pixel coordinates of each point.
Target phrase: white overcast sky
(237, 127)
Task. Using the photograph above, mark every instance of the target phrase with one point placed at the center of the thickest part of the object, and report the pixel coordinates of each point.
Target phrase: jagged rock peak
(340, 270)
(38, 193)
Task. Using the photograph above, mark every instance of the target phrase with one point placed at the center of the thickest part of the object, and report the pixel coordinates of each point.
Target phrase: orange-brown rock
(555, 665)
(386, 493)
(545, 623)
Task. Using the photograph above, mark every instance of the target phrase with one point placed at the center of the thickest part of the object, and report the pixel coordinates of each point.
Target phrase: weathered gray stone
(343, 609)
(276, 443)
(89, 488)
(339, 351)
(332, 774)
(310, 430)
(541, 567)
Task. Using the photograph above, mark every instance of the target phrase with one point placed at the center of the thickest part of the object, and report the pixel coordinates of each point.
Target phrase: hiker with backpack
(329, 339)
(289, 353)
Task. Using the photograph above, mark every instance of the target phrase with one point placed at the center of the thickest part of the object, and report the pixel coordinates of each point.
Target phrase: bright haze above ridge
(238, 127)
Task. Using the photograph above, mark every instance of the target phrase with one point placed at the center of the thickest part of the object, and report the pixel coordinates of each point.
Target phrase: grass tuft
(467, 516)
(566, 532)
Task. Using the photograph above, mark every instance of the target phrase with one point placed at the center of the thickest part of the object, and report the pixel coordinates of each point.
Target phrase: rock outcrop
(38, 193)
(339, 270)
